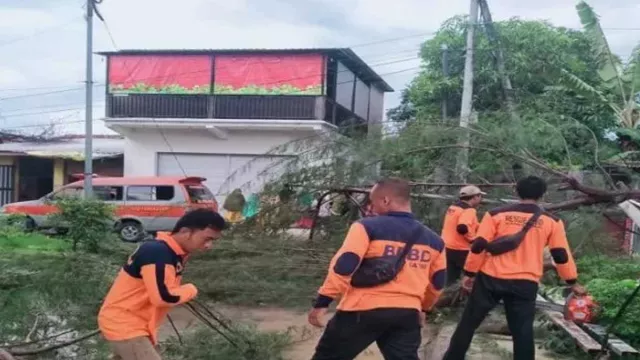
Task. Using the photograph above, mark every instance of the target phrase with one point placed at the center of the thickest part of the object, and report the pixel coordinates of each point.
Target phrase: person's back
(386, 235)
(506, 263)
(527, 260)
(386, 312)
(459, 229)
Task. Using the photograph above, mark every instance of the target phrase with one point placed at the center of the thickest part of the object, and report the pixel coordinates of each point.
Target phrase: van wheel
(130, 231)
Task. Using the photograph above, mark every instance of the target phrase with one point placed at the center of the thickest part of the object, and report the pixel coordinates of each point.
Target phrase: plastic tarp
(269, 74)
(165, 74)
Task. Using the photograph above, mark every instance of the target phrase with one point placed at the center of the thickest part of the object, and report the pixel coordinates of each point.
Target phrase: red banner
(269, 74)
(182, 74)
(234, 74)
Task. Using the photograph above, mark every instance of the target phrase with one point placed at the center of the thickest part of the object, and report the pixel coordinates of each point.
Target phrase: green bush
(603, 267)
(89, 221)
(610, 294)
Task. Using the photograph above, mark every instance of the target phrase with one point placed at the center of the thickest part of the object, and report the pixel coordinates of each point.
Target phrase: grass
(204, 344)
(15, 241)
(46, 287)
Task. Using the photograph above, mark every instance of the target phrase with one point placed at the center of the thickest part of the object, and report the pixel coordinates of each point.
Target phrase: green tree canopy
(536, 55)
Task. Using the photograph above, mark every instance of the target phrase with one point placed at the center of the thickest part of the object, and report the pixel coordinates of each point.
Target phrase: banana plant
(620, 81)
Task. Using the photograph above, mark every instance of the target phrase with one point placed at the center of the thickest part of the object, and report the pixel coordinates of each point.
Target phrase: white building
(234, 116)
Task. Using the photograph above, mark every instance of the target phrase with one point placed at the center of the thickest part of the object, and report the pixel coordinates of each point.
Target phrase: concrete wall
(142, 146)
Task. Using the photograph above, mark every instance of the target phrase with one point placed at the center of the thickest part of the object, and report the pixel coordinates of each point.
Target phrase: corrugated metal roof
(346, 55)
(71, 148)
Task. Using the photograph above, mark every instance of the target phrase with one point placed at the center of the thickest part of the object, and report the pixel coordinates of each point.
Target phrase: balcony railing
(291, 107)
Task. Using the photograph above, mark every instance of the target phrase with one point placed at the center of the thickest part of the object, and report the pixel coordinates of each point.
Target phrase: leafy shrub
(603, 267)
(610, 294)
(88, 221)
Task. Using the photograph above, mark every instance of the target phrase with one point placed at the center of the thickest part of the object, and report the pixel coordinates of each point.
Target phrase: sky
(42, 42)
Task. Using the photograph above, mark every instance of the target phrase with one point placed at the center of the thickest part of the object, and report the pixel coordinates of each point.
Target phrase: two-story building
(211, 112)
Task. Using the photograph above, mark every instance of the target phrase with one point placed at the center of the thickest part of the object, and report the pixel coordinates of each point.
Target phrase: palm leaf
(632, 74)
(610, 66)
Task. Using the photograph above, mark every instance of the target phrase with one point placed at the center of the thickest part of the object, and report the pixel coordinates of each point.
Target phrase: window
(67, 192)
(108, 193)
(150, 193)
(199, 193)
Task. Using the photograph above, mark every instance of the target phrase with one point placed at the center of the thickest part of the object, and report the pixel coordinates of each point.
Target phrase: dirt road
(435, 339)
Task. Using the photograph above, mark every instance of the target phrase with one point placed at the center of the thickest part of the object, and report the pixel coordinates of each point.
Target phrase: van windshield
(198, 193)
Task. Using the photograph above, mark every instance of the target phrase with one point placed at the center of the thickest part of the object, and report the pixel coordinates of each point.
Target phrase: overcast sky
(42, 42)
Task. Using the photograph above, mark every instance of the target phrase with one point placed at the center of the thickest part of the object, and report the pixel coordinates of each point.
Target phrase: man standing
(148, 285)
(390, 313)
(512, 269)
(459, 230)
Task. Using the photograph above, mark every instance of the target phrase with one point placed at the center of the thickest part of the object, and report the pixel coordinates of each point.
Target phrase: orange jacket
(418, 285)
(147, 286)
(460, 226)
(525, 262)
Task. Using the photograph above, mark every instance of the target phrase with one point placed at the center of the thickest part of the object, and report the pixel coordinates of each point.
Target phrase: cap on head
(470, 190)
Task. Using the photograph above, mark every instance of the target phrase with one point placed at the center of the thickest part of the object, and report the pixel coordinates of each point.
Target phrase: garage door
(223, 172)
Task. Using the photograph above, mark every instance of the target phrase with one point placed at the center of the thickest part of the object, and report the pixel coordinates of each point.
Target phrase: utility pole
(445, 73)
(462, 162)
(492, 34)
(88, 132)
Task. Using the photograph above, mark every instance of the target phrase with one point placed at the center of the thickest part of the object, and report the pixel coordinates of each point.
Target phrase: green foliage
(206, 344)
(557, 124)
(89, 221)
(52, 292)
(610, 294)
(259, 270)
(13, 239)
(606, 268)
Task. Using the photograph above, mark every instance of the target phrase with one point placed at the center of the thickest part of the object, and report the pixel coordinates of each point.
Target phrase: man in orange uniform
(459, 230)
(391, 313)
(512, 276)
(148, 285)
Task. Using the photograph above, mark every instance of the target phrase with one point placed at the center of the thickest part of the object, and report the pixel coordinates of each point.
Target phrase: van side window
(150, 193)
(67, 192)
(108, 193)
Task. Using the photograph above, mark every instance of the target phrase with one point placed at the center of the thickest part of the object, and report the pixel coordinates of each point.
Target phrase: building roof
(67, 147)
(345, 55)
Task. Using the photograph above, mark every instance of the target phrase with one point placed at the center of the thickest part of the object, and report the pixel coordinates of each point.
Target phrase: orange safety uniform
(460, 226)
(417, 285)
(147, 286)
(525, 262)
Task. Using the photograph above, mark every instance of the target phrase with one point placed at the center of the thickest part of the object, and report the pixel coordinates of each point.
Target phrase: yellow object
(233, 216)
(58, 173)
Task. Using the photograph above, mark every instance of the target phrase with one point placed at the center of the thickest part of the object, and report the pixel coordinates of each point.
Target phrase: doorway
(35, 178)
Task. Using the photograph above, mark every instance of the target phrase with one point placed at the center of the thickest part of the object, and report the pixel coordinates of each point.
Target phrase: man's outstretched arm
(343, 265)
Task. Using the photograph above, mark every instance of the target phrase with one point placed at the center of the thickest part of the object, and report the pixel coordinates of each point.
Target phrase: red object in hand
(580, 308)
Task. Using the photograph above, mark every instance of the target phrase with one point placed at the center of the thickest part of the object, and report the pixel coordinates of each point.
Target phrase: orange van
(142, 204)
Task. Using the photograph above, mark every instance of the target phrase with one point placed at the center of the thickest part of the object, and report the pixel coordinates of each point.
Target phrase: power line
(104, 22)
(80, 108)
(396, 61)
(98, 83)
(41, 31)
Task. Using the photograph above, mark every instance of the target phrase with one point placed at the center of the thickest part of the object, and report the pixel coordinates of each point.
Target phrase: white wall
(142, 145)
